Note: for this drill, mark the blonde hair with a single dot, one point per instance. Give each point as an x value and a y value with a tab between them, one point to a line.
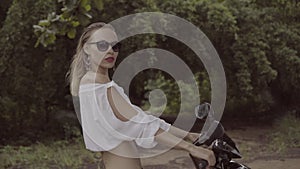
78	65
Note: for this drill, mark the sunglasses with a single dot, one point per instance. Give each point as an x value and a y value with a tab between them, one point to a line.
103	45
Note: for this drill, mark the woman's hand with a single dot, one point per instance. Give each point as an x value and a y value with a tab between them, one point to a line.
203	153
192	136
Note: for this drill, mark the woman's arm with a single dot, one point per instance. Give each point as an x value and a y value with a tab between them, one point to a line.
172	141
124	111
189	136
119	105
129	112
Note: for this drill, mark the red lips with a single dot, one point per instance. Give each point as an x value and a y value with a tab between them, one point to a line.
110	59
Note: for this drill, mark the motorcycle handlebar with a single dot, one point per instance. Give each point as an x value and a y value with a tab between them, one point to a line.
199	163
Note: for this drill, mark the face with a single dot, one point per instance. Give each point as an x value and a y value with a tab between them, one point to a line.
102	49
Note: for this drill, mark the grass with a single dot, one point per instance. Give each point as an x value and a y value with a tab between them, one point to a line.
286	134
279	139
57	155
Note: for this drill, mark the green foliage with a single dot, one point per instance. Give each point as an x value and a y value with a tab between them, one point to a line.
171	90
14	66
58	154
74	13
3	9
33	78
260	51
71	131
287	133
258	43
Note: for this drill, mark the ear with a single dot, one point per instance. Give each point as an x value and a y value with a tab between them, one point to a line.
86	49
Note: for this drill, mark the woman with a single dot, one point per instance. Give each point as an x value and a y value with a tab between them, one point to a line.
110	123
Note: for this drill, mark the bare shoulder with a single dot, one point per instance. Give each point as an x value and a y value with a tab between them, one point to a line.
86	79
92	78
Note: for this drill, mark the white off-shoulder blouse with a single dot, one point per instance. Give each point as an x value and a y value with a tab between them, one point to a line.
103	131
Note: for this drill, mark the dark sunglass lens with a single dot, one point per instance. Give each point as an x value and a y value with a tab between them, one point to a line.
102	46
116	47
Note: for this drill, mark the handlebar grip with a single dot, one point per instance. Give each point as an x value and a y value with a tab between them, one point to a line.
199	163
202	164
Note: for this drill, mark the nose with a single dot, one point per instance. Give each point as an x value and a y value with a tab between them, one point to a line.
110	50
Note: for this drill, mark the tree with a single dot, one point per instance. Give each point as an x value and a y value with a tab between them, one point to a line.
32	78
258	43
3	9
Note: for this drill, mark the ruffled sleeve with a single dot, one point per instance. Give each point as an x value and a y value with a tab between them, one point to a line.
104	131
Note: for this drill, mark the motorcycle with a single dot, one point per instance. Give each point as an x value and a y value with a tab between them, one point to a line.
214	136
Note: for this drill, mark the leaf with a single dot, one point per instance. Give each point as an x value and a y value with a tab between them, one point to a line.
99	4
84	3
65	15
87	7
50	39
72	33
55	18
44	22
88	15
37	43
71	4
64	9
75	23
83	19
37	28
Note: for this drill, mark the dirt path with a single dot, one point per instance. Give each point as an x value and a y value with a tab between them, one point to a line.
276	164
252	142
176	159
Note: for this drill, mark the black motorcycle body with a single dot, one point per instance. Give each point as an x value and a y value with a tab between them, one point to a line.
221	144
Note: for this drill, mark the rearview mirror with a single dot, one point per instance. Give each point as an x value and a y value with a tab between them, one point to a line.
202	110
